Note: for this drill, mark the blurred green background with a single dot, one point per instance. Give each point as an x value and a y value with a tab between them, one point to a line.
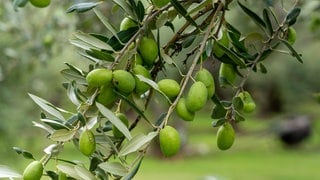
34	47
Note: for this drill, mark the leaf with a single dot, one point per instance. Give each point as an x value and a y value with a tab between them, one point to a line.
101	55
69	170
153	84
55	124
84	173
82	7
114	120
237	103
136	143
105	22
267	19
125	6
253	16
218	122
43	126
238	117
71	92
188	41
291	18
95	42
114	168
294	52
126	35
162	19
6	172
62	135
134	171
48	107
133	105
218	112
262	68
235	59
24	153
140	11
19	3
73	76
181	10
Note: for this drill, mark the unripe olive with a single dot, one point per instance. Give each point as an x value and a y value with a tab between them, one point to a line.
160	3
169	140
127	23
197	96
123	81
116	132
138	59
219	52
205	76
87	142
106	96
248	103
225	136
33	171
141	87
149	50
169	87
292	35
40	3
183	112
227	74
99	77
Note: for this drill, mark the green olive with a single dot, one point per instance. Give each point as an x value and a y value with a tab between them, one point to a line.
33	171
197	96
248	103
107	96
149	50
227	75
183	112
169	87
141	87
169	140
124	81
225	136
40	3
87	142
127	23
205	76
99	77
160	3
292	35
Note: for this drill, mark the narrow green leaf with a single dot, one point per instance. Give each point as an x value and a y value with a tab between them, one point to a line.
105	22
95	42
181	10
114	120
292	16
6	172
82	7
236	60
262	68
69	170
293	51
239	117
24	153
134	171
136	143
125	6
114	168
48	107
237	103
133	105
62	135
84	173
188	41
140	11
253	16
55	124
101	55
162	19
267	19
71	93
73	76
19	3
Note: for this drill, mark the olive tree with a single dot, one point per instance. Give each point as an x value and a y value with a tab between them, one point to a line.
128	72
